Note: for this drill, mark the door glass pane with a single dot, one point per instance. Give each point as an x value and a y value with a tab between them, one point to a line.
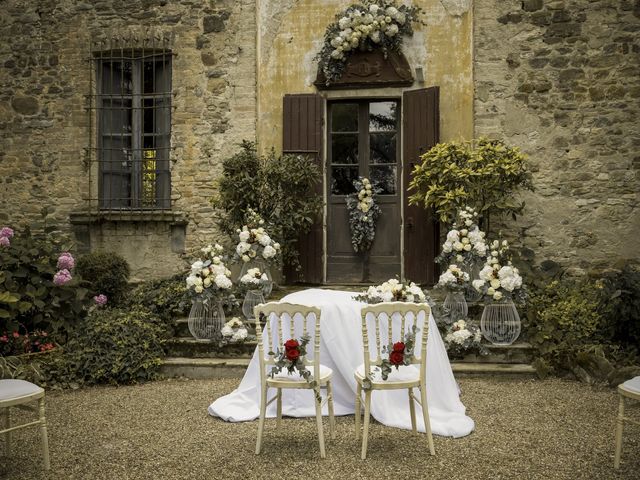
148	117
116	116
383	116
344	117
116	77
384	177
342	179
382	147
344	148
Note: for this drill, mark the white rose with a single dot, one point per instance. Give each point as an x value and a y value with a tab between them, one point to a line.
198	288
239	335
207	282
465	241
459	258
486	273
227	331
197	282
219	248
191	280
387	296
205	272
197	266
375	36
505	243
447	247
457	246
265	240
495	283
453	236
464	232
245	258
490	291
478	284
497	296
269	252
467	247
468	223
244	236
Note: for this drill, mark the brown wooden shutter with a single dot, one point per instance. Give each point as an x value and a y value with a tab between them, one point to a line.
303	117
421	131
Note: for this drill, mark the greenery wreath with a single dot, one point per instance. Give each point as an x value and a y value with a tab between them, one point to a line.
363	214
365	26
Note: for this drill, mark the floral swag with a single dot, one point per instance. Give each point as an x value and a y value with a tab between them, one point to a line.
363	215
365	26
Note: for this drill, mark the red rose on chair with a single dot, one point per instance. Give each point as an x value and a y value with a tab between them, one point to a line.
293	354
398	347
396	357
291	344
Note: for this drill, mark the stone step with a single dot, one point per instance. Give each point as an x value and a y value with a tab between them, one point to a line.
204	368
519	369
189	347
516	353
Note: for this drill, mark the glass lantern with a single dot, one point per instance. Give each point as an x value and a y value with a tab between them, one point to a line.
500	322
206	319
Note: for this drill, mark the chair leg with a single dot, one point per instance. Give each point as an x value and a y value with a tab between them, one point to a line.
425	415
279	402
619	425
43	434
263	414
412	409
357	412
332	418
320	431
7	435
365	433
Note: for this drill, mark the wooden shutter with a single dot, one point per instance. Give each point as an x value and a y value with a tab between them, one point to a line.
302	134
421	131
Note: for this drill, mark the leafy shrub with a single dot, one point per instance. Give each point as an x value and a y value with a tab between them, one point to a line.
621	307
485	176
105	273
29	298
279	188
112	346
167	299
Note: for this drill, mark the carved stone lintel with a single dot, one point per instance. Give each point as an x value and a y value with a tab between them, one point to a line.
370	70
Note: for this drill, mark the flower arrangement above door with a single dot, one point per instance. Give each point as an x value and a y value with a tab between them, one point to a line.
363	47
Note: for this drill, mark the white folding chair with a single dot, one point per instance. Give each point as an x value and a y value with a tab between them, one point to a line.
18	393
629	389
284	321
376	320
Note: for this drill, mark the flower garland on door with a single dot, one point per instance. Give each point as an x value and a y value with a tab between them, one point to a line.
363	215
365	26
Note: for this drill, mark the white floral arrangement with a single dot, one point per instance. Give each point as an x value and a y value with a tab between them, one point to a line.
210	276
255	243
392	291
234	331
254	278
454	279
363	214
365	26
465	243
499	279
463	337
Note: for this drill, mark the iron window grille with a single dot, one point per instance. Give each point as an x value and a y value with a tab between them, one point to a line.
131	106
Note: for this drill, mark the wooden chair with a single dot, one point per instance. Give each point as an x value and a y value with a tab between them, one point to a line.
291	321
408	377
17	393
629	389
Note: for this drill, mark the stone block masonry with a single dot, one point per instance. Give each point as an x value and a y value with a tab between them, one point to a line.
561	79
45	127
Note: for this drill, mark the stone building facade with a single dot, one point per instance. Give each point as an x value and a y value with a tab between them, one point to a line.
560	79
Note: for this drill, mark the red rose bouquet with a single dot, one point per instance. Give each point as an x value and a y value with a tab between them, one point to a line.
400	353
291	358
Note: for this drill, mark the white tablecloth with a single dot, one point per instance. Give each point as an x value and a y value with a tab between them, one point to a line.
341	350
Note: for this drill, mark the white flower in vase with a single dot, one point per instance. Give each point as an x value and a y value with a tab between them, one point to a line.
227	331
269	252
244	236
197	266
222	281
265	240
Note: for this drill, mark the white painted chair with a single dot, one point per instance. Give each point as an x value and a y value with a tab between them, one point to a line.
284	321
377	319
629	389
18	393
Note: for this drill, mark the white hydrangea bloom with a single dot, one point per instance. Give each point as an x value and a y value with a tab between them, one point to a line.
453	236
486	273
196	266
269	252
227	331
478	284
223	282
244	235
265	240
239	335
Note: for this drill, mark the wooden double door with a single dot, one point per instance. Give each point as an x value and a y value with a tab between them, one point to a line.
380	139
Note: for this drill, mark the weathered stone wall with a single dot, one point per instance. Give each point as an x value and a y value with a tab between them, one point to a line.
561	79
44	124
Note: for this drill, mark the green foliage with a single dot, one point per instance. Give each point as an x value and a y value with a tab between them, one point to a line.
167	299
112	346
485	176
621	306
279	188
28	296
105	273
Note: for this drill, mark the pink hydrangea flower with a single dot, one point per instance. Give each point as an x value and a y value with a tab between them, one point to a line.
4	241
6	232
100	299
62	277
66	261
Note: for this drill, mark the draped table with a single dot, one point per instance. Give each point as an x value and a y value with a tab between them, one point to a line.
341	350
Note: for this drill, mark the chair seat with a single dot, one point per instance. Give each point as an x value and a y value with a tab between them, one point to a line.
284	375
404	374
13	389
632	385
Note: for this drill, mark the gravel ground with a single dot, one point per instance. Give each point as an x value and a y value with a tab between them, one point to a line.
525	429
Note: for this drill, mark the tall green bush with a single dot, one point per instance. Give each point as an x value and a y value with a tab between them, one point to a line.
486	175
279	188
621	306
29	299
105	273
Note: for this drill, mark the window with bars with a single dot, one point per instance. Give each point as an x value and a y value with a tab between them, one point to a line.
133	126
